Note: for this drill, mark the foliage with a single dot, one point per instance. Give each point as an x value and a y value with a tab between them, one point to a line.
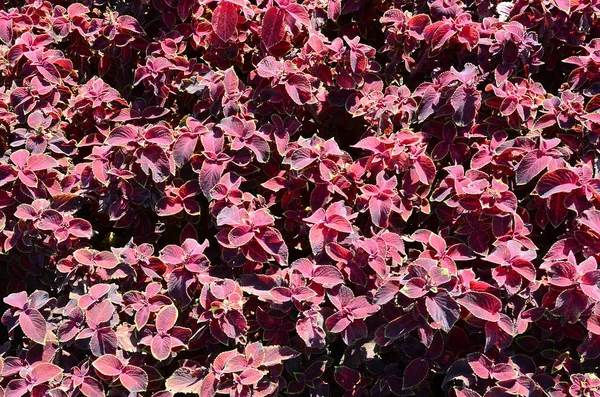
299	197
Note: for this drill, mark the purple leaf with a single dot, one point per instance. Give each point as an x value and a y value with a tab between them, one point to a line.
416	371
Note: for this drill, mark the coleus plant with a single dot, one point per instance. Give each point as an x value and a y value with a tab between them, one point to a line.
223	197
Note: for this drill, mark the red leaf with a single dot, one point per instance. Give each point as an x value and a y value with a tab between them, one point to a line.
561	180
273	27
400	326
482	305
224	20
168	206
555	209
346	377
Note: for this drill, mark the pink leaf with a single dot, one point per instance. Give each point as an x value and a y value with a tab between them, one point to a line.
122	136
39	162
166	318
380	209
563	5
134	379
466	102
590	284
241	235
161	347
298	88
106	260
311	332
43	372
16	388
153	158
443	310
530	166
159	135
80	228
337	322
339	223
250	376
278	354
361	308
172	254
108	365
16	299
92	387
33	325
328	276
299	13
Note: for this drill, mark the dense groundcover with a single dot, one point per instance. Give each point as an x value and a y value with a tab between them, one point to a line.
344	198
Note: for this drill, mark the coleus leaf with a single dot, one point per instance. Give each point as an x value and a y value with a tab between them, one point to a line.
530	166
273	27
561	180
482	305
416	371
443	310
224	20
34	325
134	378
